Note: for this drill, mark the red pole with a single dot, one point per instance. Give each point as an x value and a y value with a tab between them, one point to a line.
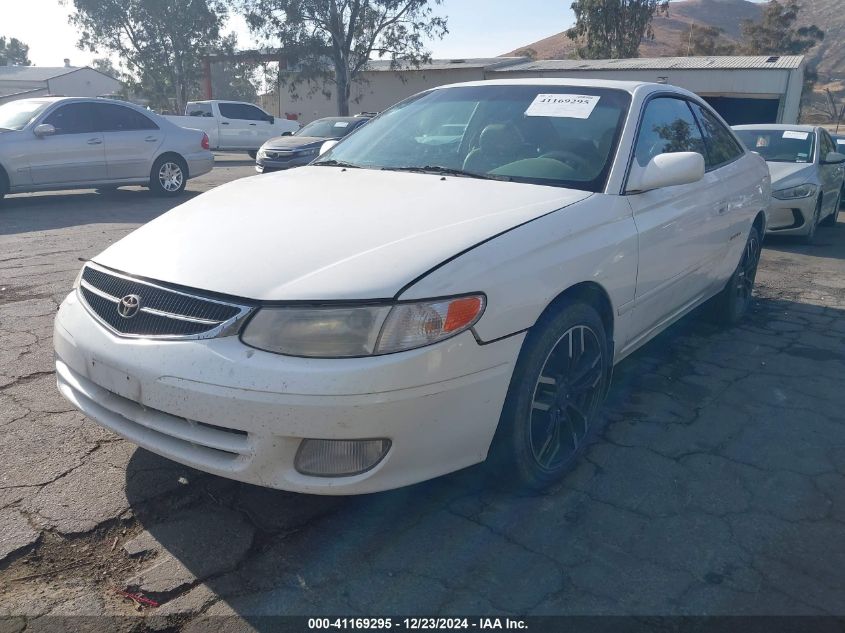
206	69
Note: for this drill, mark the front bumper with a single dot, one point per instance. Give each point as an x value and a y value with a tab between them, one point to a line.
790	217
224	408
266	165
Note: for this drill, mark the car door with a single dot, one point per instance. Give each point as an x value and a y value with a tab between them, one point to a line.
677	241
131	141
831	174
239	128
74	153
729	175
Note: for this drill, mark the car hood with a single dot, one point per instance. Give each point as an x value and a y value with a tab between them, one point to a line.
326	232
293	142
790	174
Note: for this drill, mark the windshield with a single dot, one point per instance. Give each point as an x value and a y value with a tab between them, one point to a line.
780	146
327	128
16	114
551	135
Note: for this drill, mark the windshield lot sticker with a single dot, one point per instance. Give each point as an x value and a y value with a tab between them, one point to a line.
567	106
801	136
341	123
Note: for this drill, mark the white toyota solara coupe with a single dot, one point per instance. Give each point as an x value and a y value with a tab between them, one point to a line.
454	280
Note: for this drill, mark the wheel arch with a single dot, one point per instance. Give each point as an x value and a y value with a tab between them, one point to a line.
175	155
760	224
591	293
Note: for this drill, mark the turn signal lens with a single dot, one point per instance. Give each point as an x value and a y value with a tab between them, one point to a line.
339	458
411	325
204	141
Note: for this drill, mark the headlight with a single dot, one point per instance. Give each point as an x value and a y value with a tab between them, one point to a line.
262	153
342	332
793	193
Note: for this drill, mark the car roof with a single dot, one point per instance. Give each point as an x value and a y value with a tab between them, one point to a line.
627	86
777	126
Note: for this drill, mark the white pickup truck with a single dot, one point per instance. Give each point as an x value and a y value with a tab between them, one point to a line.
234	126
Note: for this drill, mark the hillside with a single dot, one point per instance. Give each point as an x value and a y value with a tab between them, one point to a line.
671	31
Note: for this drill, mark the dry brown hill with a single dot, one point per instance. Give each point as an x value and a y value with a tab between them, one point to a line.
670	31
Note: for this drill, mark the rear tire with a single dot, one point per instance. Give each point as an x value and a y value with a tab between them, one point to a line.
831	219
555	394
168	176
733	302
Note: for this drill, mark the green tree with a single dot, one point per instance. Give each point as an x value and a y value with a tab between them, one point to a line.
613	29
160	41
706	40
776	33
329	42
13	52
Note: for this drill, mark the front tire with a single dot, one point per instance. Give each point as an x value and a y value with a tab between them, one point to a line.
810	237
732	304
168	176
556	391
831	219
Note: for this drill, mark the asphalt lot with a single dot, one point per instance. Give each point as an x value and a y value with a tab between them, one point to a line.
717	486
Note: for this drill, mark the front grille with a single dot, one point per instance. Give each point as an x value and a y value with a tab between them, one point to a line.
162	312
279	155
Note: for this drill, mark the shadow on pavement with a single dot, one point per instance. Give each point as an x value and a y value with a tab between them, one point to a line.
829	242
690	501
25	213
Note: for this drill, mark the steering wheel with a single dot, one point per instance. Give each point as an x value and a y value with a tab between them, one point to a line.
569	158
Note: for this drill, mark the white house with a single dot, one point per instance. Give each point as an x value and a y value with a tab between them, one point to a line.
21	82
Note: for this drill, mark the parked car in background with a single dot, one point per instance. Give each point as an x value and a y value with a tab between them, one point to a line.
402	308
284	152
839	139
50	143
807	175
234	126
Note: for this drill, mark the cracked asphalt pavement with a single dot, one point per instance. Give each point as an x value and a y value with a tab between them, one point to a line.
716	487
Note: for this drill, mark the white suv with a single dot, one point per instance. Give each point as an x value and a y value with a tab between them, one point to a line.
54	143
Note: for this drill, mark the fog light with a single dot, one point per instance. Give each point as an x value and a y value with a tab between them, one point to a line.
339	458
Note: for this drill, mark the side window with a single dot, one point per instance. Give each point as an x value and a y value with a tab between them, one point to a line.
73	118
230	110
722	147
116	118
253	113
667	126
827	145
242	111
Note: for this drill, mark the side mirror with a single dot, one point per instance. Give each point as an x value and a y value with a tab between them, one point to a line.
287	133
44	129
325	147
271	119
834	158
667	170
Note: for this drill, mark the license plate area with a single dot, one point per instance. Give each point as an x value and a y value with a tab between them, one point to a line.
114	379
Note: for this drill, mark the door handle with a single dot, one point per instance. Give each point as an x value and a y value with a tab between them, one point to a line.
151	139
224	123
253	124
94	141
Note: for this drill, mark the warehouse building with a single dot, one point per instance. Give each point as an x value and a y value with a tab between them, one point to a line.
764	89
22	82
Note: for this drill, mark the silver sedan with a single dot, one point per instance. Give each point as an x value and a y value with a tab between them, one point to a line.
807	175
53	143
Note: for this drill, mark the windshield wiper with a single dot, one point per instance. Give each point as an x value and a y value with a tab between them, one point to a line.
447	171
331	162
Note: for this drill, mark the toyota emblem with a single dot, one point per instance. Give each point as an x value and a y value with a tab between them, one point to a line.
129	306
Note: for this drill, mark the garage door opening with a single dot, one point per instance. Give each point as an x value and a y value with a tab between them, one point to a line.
737	111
